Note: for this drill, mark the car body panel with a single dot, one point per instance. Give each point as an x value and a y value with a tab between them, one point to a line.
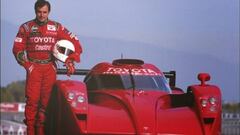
79	108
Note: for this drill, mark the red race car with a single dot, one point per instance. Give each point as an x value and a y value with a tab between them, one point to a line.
131	97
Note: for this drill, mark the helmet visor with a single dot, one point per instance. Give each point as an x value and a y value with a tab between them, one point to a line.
68	52
61	49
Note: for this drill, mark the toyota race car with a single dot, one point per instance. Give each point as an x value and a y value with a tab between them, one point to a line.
129	97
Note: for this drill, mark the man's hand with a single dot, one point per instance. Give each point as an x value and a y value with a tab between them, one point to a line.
70	67
26	64
75	57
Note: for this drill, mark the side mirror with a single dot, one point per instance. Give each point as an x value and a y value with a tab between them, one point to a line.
203	77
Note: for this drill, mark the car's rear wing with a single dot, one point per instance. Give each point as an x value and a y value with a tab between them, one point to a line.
171	75
77	71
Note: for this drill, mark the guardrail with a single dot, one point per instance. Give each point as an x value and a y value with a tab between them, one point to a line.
231	124
12	128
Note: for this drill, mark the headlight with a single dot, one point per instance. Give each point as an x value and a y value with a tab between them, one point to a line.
213	108
80	99
204	102
71	95
213	100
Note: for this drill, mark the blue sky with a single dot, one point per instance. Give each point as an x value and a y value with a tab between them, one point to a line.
165	22
206	27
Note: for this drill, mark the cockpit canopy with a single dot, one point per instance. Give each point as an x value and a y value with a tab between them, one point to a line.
126	75
126	82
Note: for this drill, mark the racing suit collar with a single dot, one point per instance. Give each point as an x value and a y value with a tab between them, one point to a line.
40	23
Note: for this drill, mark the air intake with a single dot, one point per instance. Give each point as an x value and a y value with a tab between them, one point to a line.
128	61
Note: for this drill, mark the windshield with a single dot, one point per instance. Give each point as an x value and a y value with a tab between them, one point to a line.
138	82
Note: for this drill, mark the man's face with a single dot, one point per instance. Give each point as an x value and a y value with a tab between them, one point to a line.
42	13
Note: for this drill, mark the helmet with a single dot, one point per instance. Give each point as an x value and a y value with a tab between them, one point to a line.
62	49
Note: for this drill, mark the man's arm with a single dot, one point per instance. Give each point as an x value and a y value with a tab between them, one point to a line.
63	33
19	47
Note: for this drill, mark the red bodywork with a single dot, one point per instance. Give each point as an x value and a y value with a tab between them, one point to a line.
84	108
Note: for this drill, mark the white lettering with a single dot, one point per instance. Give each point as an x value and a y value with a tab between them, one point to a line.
43	47
134	71
150	71
18	39
51	28
42	39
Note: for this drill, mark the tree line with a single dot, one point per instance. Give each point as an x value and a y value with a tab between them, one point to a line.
14	92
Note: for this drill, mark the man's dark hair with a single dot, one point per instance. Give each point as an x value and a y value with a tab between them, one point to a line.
41	3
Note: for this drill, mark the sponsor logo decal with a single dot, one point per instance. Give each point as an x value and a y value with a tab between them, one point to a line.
134	71
26	27
43	47
18	39
42	40
35	34
51	27
72	35
34	29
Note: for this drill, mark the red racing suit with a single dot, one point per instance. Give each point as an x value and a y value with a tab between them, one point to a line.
33	50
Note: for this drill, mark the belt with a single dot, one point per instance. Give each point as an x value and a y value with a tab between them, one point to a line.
46	61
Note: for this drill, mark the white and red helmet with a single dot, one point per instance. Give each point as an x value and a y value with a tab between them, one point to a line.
62	49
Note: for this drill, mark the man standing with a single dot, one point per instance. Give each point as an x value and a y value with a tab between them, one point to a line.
33	50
